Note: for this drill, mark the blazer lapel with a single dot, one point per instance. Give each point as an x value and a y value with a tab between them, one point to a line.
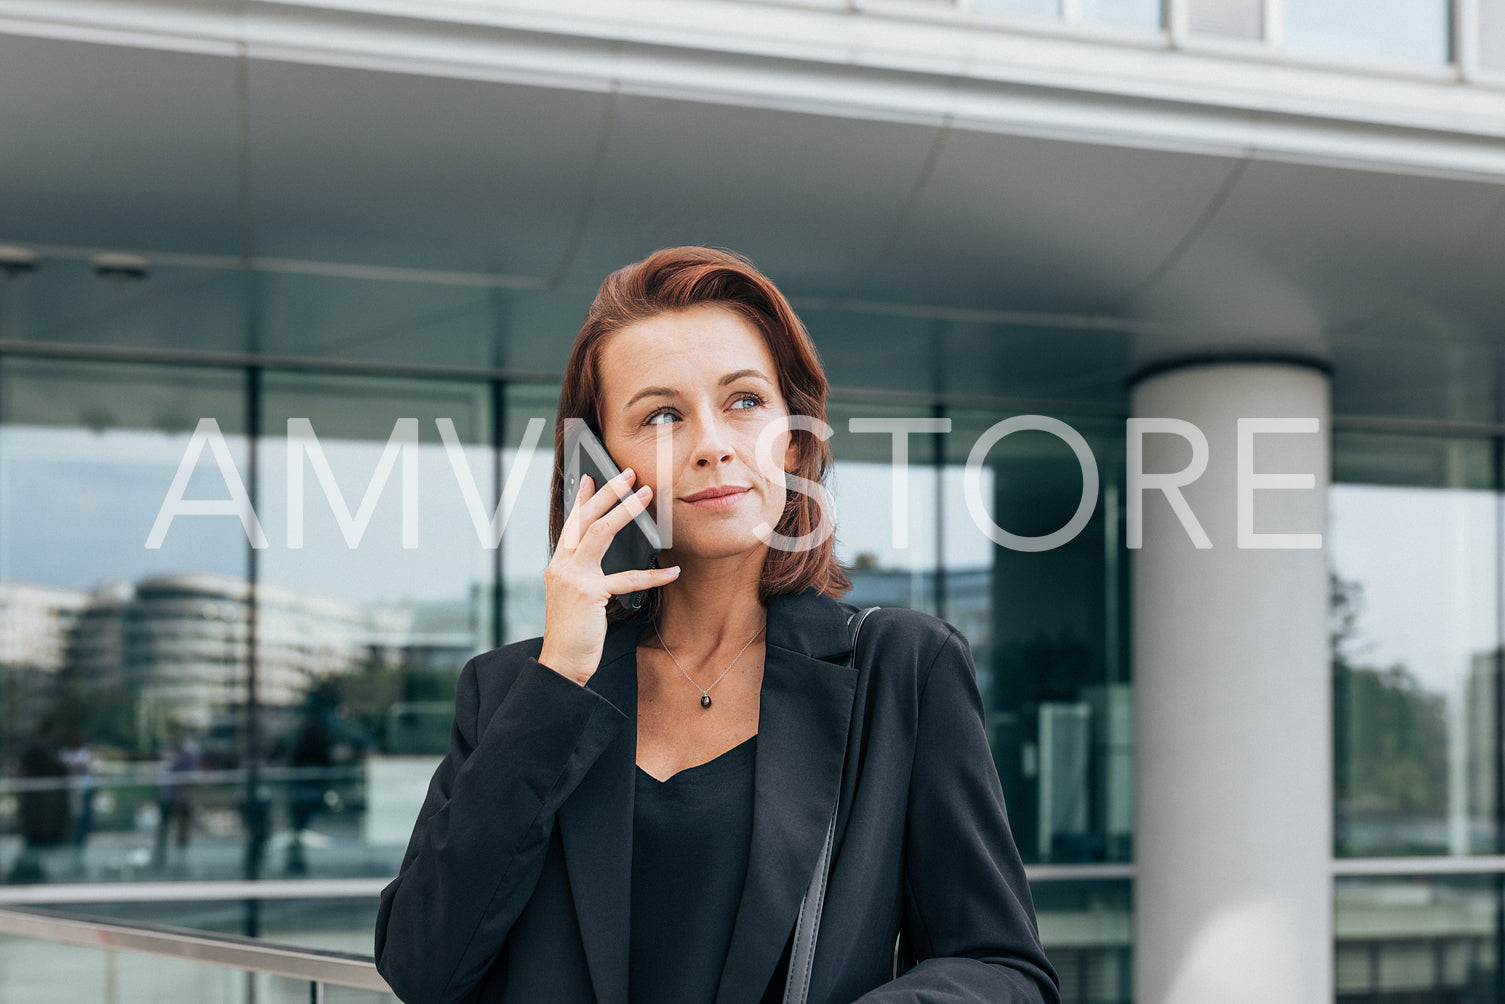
804	715
595	823
803	720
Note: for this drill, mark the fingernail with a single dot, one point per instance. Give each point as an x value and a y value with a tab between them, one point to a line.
672	569
642	492
627	472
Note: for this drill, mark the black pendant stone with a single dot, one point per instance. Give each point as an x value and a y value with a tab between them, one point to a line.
705	700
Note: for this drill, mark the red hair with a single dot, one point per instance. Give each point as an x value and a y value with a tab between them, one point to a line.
675	279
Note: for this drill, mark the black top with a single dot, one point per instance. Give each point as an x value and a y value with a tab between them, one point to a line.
690	841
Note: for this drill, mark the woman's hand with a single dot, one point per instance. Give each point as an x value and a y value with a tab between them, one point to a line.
576	590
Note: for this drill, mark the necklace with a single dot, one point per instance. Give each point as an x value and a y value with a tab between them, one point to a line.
705	692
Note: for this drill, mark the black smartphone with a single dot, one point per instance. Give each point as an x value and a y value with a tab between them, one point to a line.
637	543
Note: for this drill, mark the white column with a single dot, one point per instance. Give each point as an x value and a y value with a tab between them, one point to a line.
1233	702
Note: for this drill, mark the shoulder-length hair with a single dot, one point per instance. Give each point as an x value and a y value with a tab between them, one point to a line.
675	279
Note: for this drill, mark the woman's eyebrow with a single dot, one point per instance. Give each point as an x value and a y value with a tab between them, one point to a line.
670	391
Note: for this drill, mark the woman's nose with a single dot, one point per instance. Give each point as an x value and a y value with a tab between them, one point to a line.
714	444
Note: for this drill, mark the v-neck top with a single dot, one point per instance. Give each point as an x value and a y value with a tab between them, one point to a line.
691	836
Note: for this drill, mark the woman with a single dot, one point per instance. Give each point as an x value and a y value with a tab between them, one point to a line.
634	803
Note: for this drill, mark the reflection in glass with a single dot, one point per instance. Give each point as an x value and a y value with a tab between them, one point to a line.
1413	549
1087	928
1397	29
363	627
889	564
525	544
1417	938
1053	661
121	666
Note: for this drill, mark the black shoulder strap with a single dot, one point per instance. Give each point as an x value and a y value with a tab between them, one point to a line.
859	616
807	925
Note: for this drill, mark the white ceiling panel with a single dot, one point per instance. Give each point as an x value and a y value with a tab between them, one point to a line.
103	146
1309	248
807	197
397	170
1016	223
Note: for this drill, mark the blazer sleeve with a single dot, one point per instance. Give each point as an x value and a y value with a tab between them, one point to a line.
968	915
478	847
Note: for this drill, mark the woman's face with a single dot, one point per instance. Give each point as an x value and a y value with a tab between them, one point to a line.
704	377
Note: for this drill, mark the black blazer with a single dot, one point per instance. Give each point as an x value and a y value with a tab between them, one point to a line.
514	887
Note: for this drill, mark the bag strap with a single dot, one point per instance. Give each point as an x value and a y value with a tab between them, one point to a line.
807	924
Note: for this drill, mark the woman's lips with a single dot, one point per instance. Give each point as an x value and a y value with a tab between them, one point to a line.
718	501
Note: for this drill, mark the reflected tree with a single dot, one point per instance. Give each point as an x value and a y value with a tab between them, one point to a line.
1390	743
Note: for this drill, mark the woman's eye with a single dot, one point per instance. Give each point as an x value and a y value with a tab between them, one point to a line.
653	419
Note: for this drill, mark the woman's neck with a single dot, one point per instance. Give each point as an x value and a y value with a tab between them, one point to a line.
711	606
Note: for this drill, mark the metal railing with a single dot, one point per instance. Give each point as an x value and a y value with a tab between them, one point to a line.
319	968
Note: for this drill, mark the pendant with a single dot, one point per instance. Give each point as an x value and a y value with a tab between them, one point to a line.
705	700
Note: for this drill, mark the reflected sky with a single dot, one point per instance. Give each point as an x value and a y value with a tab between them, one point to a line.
1426	559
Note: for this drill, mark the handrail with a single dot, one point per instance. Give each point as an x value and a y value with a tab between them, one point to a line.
61	894
342	969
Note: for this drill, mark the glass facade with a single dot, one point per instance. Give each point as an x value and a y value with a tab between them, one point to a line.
123	669
1492	35
145	743
1418	30
1134	13
1401	30
142	741
1415	557
1227	18
1418	937
1039	8
1416	562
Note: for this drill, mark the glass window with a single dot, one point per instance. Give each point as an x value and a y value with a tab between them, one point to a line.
1138	13
365	623
890	565
1052	645
1417	937
1400	29
1087	928
1492	35
122	666
1042	8
525	544
1413	544
1229	18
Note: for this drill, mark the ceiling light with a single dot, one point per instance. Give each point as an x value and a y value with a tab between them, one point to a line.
15	260
113	265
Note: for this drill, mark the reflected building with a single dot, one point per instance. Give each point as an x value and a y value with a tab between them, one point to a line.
175	646
37	624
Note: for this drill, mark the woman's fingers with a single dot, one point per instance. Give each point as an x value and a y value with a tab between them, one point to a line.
600	533
635	579
590	503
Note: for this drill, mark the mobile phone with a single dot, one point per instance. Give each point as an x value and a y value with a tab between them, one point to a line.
637	543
